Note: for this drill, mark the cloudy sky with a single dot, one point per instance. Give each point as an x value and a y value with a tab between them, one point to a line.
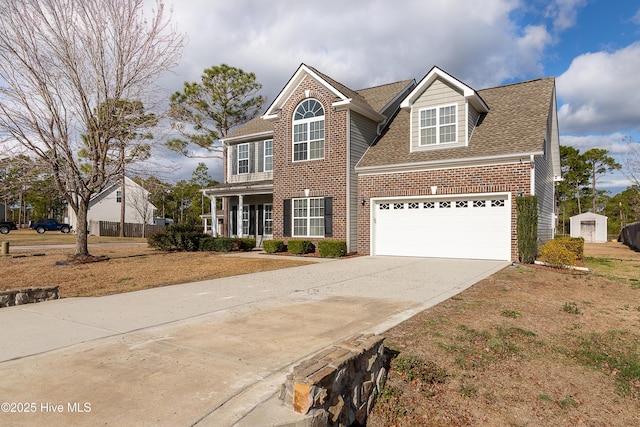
592	47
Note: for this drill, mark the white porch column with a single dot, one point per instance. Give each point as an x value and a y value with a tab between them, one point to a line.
214	216
240	209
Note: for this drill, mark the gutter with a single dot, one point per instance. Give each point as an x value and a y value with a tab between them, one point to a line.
437	164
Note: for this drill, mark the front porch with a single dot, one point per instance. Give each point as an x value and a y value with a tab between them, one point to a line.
247	211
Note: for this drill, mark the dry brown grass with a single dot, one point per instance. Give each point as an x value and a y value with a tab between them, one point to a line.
526	347
129	268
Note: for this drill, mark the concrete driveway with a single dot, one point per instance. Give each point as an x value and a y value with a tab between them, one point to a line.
207	353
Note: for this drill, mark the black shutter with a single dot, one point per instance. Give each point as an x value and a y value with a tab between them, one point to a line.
286	218
328	216
252	220
234	220
260	220
261	156
234	160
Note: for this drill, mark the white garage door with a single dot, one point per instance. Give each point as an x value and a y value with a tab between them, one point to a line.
474	227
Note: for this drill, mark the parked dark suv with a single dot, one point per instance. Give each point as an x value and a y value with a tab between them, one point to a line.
43	225
7	226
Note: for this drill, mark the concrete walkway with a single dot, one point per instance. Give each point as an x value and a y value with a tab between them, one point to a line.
210	353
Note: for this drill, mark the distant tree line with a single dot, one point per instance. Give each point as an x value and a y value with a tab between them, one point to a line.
28	192
578	192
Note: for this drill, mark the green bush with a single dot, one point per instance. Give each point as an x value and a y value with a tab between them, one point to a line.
224	244
332	248
207	244
176	240
556	253
273	246
246	243
161	241
527	228
299	247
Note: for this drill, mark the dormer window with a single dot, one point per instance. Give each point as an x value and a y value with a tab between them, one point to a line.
438	125
308	131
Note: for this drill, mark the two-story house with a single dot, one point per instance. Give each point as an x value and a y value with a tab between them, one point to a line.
429	168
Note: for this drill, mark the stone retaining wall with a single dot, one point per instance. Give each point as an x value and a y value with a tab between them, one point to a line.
27	296
338	386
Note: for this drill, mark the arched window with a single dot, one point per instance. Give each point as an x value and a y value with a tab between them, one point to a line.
308	131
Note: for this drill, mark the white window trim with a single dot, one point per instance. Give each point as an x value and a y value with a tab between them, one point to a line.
307	218
308	122
438	125
245	220
265	219
268	156
248	159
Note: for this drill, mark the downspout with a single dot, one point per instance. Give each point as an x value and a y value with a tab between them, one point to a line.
348	195
532	184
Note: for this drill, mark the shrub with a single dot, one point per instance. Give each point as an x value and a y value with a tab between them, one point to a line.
246	243
179	237
273	246
527	224
224	244
332	248
162	241
299	247
207	244
574	244
556	253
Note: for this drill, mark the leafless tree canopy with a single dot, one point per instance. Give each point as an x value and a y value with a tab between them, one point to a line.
66	66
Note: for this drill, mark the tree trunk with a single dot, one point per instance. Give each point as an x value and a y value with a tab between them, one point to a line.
82	246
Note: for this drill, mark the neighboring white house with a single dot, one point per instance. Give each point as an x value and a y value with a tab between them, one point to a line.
106	205
590	226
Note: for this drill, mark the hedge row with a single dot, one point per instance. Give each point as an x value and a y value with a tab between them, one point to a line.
185	238
191	238
326	248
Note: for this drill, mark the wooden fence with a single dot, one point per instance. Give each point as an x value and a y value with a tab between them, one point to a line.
107	228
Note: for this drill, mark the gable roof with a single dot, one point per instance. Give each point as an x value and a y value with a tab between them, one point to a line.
435	73
378	98
344	97
515	125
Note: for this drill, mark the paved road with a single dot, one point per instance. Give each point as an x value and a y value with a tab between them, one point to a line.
207	353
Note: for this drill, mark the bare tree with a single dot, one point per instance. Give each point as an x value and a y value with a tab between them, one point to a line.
65	68
631	165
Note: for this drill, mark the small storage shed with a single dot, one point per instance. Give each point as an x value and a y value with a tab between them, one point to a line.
590	226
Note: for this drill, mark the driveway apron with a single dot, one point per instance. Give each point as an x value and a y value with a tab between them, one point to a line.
205	353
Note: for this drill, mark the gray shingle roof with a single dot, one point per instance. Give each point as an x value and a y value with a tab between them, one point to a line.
515	124
253	126
375	98
378	97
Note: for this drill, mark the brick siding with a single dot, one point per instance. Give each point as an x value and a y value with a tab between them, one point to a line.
323	178
511	178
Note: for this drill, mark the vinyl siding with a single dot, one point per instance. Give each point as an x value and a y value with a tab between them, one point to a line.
544	186
254	166
438	94
473	117
362	133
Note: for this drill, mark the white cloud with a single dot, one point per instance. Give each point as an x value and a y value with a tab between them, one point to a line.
636	18
614	143
564	13
360	43
599	92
